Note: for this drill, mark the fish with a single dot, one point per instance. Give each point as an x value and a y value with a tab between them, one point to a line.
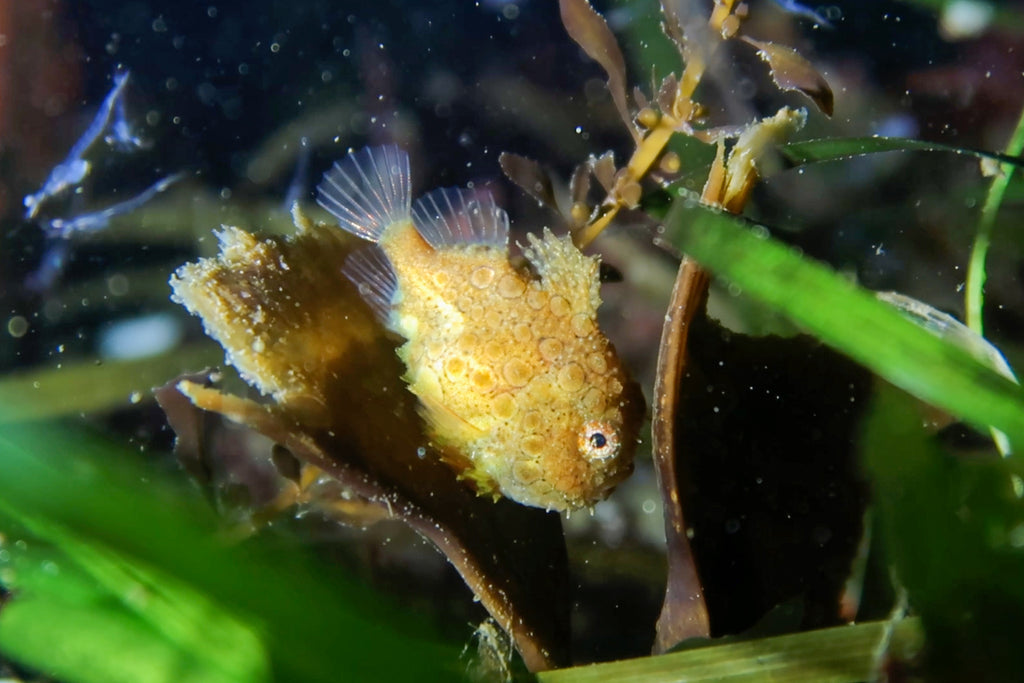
520	391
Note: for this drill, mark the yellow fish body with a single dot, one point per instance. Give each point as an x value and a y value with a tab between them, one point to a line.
520	390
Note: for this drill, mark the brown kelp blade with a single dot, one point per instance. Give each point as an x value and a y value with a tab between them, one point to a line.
297	329
591	32
791	71
684	613
531	177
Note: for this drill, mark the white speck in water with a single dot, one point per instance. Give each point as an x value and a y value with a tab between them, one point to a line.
135	398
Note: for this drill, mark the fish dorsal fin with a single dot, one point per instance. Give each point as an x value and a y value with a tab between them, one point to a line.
368	191
460	216
371	272
565	270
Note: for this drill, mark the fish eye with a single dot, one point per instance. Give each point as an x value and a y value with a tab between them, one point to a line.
598	440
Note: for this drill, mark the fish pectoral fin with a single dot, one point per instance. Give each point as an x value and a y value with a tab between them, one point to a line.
373	275
445	423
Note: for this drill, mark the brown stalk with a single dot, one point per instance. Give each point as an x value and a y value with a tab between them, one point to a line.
684	613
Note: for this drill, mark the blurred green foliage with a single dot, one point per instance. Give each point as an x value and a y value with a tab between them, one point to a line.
954	531
117	575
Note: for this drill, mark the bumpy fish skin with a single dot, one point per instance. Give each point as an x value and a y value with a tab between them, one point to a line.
520	390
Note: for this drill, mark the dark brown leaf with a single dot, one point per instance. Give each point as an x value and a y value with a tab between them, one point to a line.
639	98
791	71
579	184
604	169
341	406
683	614
667	93
673	26
531	177
225	472
190	430
591	32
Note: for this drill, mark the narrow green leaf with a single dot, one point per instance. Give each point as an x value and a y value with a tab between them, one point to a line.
974	294
838	655
832	149
90	386
849	318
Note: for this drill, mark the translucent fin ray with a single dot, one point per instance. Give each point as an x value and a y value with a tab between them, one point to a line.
460	216
368	191
371	272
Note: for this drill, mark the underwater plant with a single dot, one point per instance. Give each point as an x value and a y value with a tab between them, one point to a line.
491	412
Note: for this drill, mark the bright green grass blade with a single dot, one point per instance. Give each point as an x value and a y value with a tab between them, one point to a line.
90	386
833	149
848	318
845	654
112	517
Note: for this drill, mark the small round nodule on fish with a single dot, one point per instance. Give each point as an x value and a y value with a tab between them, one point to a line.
521	392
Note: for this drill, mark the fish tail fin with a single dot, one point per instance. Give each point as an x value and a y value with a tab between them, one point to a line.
368	191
